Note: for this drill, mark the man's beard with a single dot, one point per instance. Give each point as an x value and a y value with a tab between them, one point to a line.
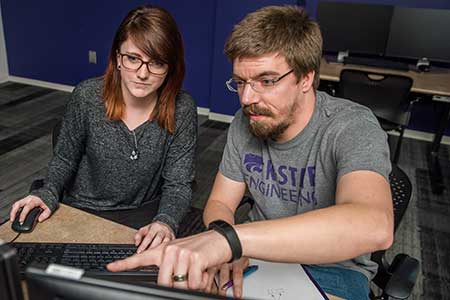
266	130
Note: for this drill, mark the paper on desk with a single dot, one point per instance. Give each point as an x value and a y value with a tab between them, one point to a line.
279	281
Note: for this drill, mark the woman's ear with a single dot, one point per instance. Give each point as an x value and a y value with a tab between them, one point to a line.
118	59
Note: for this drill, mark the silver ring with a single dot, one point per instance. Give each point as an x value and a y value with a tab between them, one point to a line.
179	277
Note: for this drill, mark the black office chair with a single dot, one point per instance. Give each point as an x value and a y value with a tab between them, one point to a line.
386	95
38	183
396	279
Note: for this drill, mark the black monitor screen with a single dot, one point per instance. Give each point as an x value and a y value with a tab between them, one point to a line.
419	32
359	28
44	286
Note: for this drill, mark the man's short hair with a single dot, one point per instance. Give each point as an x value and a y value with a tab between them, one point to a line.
287	30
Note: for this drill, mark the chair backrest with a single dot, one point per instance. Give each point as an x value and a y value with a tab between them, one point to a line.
38	183
401	189
55	133
385	95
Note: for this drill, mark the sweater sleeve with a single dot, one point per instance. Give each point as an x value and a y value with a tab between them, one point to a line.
178	169
66	154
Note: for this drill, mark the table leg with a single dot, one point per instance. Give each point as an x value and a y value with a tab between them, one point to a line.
436	180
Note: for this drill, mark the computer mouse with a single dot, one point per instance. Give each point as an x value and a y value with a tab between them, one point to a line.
29	223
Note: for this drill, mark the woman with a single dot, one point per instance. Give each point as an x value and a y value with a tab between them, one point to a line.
128	139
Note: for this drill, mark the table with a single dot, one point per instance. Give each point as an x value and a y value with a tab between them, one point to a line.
435	83
71	225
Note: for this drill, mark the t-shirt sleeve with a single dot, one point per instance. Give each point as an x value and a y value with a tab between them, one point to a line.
362	145
230	165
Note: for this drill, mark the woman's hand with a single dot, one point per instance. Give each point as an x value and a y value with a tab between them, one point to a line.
153	235
28	203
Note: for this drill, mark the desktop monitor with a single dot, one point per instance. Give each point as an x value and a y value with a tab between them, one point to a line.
418	32
10	288
43	285
358	28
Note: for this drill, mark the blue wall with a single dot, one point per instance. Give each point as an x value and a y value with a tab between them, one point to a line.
49	40
229	13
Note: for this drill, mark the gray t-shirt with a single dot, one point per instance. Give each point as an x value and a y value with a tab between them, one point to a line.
92	166
301	175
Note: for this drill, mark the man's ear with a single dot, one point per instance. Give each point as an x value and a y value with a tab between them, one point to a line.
307	81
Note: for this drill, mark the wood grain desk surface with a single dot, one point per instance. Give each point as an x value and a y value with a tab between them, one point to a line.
435	82
71	225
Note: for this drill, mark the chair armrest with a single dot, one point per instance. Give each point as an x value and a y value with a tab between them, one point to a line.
244	207
404	270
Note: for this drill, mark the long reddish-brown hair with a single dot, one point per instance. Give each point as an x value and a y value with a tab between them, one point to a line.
155	33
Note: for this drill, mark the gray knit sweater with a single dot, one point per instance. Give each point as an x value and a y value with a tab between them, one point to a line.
92	166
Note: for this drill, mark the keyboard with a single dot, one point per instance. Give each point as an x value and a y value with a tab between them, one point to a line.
92	258
377	63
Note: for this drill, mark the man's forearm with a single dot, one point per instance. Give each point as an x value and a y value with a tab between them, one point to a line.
333	234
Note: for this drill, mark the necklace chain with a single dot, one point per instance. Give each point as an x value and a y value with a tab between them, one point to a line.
134	154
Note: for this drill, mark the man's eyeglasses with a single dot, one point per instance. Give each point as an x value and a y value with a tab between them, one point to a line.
258	85
134	63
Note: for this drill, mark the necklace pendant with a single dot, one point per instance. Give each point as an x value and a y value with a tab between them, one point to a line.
134	155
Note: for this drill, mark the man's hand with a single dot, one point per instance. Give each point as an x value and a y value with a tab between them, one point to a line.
190	257
153	235
211	284
236	269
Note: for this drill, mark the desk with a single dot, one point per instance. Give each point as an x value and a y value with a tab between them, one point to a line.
71	225
436	82
433	83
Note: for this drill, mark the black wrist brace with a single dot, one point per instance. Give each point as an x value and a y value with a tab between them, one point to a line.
231	236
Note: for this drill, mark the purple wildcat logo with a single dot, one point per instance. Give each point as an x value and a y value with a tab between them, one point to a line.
253	163
286	183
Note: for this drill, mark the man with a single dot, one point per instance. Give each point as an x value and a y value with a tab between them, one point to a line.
316	166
